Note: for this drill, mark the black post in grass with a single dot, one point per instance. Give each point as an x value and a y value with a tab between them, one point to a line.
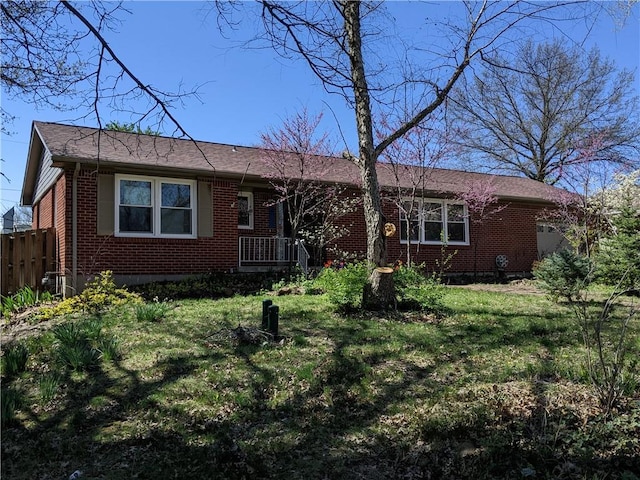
274	312
265	313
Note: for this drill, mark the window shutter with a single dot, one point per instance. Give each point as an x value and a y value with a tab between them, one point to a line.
205	210
106	204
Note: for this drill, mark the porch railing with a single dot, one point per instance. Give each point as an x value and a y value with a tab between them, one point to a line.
272	251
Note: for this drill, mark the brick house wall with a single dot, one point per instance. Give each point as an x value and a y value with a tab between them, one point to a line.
127	256
512	232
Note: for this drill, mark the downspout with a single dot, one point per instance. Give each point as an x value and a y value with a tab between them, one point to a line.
74	228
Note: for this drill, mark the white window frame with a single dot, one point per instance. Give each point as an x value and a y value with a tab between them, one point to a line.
156	206
249	195
444	221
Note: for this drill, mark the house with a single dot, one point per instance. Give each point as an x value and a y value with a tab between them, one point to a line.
16	219
157	208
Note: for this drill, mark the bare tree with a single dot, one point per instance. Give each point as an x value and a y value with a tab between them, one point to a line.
536	114
40	58
338	41
410	160
58	55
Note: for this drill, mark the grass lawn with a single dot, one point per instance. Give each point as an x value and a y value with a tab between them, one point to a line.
495	388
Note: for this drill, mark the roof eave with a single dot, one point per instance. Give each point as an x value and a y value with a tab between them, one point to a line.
34	157
63	161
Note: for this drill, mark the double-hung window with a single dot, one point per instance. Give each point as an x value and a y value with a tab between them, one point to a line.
155	207
432	221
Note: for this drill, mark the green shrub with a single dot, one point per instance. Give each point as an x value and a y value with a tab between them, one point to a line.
618	256
563	274
14	360
99	295
344	285
415	290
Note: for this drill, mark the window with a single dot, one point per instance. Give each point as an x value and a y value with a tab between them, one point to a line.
432	220
155	207
245	210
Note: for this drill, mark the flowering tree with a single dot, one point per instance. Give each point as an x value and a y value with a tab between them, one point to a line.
581	210
482	204
297	157
328	226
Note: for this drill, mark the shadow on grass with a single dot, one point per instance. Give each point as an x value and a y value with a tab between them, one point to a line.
374	405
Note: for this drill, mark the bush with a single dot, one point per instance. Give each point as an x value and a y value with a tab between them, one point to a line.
618	256
99	295
344	285
563	274
417	291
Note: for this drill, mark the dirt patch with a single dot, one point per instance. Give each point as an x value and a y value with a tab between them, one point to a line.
20	326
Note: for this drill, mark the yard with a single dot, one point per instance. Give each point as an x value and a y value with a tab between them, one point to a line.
494	388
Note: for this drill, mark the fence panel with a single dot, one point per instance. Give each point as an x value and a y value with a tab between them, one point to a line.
26	257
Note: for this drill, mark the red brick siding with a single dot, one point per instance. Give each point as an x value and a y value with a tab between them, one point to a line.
157	256
261	201
512	232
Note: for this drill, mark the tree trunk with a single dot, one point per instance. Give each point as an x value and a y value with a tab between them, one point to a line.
379	293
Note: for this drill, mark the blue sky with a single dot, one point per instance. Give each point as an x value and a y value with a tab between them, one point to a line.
245	91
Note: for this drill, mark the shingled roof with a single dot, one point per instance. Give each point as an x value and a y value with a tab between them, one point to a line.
75	144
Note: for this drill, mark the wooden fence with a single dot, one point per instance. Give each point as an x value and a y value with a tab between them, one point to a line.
26	257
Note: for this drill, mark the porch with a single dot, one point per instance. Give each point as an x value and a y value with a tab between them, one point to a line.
267	253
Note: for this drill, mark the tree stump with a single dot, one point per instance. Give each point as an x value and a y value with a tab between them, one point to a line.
379	293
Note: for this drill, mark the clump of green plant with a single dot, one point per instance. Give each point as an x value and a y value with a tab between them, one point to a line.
344	284
563	274
152	311
10	401
81	345
415	290
23	298
14	359
48	386
99	295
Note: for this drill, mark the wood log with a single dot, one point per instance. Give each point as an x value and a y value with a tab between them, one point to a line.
379	293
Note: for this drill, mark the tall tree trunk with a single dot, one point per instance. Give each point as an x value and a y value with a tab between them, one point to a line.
376	251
